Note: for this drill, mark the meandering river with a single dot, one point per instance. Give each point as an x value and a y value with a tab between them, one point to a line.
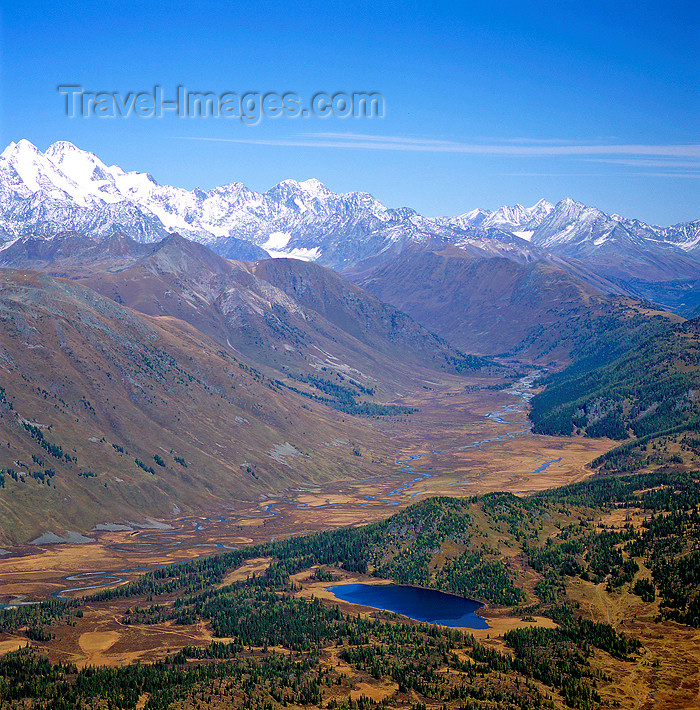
161	540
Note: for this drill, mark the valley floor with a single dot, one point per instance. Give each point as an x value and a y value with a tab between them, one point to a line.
461	442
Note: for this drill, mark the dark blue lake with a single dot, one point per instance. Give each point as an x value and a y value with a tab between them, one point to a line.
420	604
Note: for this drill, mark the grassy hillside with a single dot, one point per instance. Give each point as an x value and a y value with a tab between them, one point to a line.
282	314
108	414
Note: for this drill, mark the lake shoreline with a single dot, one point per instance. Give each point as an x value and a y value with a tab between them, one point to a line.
412	601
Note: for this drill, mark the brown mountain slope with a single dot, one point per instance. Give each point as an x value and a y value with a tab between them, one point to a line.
293	316
380	326
536	311
89	386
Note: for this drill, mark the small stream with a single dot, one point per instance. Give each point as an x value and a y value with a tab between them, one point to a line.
161	540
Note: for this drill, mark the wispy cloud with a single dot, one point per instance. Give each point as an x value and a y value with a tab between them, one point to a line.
477	141
374	138
646	162
545	141
691	175
544	149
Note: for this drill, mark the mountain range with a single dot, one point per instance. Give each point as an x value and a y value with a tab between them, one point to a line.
165	350
67	189
536	311
141	379
284	313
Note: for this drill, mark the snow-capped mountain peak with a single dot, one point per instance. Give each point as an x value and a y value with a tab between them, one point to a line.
62	148
26	171
522	221
13	150
67	188
315	188
132	183
540	209
86	170
312	186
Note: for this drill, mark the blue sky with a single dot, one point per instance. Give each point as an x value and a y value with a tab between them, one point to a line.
485	103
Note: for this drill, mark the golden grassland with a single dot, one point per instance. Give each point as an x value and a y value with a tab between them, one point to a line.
666	673
450	418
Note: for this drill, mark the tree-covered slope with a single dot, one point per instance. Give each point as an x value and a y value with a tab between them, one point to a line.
653	388
558	538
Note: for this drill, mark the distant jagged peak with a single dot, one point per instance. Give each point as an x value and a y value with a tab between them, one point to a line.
62	148
542	206
517	214
69	188
515	217
63	172
117	172
60	153
571	206
314	187
475	214
311	187
79	165
22	146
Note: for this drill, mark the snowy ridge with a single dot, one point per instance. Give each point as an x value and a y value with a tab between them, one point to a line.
66	188
516	217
